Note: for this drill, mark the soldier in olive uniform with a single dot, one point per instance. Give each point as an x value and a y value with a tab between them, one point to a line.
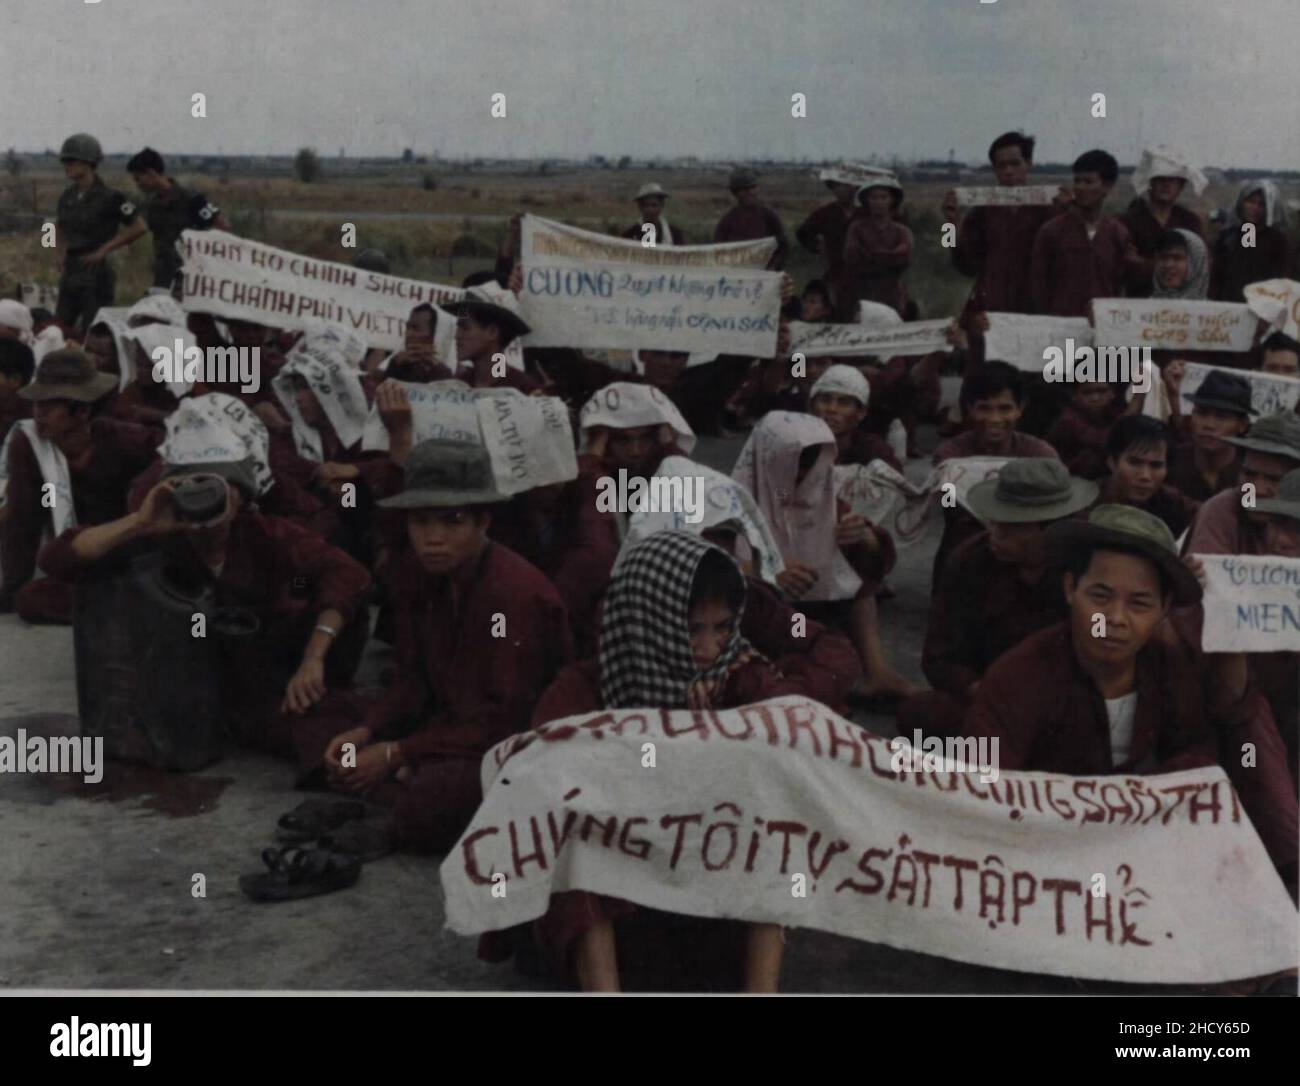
170	208
87	230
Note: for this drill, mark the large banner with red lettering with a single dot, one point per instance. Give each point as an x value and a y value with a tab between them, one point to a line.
243	279
783	812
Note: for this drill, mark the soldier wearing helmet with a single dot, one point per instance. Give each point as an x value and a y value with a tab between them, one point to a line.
87	230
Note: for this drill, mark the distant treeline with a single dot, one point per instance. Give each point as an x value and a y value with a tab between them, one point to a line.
283	165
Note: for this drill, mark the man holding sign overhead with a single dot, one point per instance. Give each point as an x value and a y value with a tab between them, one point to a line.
995	244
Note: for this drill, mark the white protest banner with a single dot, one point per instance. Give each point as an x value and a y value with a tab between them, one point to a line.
529	439
885	497
1269	392
1021	339
446	410
242	279
1252	604
1172	324
1006	195
588	290
911	338
783	812
1277	303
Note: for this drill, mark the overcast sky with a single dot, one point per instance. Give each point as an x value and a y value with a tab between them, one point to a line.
712	78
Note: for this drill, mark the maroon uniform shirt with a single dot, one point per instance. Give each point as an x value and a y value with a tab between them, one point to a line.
1144	230
459	690
1080	439
829	226
981	609
1048	715
996	245
1069	270
751	223
121	451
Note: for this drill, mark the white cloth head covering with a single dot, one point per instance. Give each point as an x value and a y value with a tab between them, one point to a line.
335	385
623	405
845	380
1277	302
339	336
803	516
1162	161
1198	272
877	315
1274	208
162	308
151	337
725	504
216	428
14	314
47	340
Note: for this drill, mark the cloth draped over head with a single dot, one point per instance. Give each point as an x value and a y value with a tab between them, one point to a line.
624	405
14	314
1277	303
338	336
1197	283
877	315
645	646
337	388
162	308
1274	208
150	337
218	429
844	380
724	503
803	515
1162	161
54	472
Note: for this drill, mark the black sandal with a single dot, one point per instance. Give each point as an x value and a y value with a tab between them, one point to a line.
314	817
299	872
364	840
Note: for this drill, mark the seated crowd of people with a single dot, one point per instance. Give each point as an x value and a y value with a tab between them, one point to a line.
330	545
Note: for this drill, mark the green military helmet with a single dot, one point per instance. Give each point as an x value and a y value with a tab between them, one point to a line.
83	147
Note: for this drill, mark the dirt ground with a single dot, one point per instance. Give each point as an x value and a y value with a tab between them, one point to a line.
95	880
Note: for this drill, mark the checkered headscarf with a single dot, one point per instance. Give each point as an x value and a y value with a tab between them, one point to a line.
645	646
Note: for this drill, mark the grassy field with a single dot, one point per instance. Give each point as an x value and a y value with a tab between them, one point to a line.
445	232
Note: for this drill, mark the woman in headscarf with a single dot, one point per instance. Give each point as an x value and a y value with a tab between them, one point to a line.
670	639
821	661
877	251
1182	266
1236	265
834	559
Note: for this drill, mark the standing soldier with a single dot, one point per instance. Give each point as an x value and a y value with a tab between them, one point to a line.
87	221
170	208
751	219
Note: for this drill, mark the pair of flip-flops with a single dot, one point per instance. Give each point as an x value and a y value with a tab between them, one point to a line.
336	824
343	843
